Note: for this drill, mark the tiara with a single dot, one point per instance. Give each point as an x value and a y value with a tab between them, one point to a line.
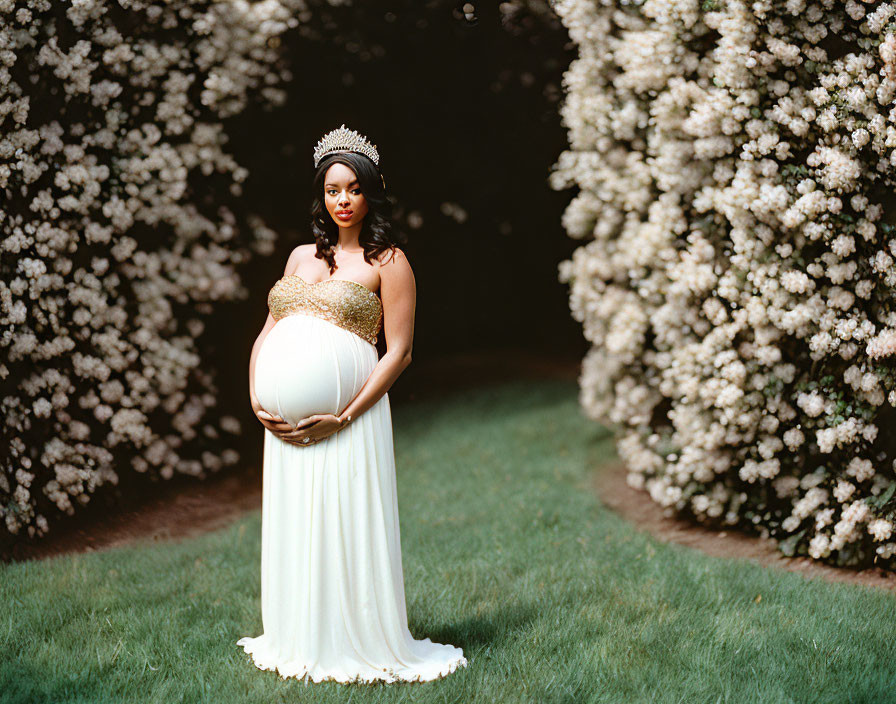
345	140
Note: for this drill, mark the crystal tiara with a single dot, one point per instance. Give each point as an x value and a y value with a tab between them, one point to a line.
345	140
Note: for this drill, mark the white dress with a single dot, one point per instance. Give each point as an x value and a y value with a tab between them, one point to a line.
332	587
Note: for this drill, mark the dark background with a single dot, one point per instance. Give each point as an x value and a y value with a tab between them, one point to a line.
464	111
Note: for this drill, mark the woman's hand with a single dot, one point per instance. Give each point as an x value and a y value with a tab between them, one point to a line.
273	423
315	428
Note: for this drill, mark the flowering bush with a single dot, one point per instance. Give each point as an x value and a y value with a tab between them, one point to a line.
117	238
735	163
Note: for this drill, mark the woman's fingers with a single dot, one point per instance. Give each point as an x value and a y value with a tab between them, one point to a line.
294	434
276	427
310	420
270	421
299	435
298	441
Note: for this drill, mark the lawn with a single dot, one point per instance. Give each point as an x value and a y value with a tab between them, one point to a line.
506	554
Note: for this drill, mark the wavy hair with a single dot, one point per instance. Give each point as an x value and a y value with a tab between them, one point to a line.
377	234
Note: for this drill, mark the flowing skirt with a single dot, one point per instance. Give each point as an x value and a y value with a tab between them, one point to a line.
332	587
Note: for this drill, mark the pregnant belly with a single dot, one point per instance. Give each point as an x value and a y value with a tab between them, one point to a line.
307	365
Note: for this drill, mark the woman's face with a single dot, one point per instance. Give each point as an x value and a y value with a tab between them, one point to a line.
342	194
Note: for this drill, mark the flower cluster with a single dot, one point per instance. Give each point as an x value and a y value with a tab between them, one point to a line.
737	279
116	238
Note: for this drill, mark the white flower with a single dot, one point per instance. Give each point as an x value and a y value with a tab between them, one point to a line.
94	340
820	546
721	289
881	529
861	469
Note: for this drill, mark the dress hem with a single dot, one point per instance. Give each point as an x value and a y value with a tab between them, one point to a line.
389	675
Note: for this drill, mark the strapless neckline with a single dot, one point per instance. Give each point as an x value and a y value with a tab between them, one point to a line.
326	281
343	302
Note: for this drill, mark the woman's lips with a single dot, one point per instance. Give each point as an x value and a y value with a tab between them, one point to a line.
345	215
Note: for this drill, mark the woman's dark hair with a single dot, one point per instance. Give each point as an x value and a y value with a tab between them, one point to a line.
376	231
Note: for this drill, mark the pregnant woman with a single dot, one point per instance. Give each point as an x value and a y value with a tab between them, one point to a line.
332	588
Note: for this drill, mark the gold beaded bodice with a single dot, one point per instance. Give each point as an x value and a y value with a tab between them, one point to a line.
345	303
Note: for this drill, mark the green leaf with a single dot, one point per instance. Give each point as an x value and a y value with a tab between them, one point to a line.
788	545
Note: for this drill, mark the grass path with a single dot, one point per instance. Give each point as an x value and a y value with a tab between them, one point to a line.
506	553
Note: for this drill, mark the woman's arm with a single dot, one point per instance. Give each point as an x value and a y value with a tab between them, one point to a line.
398	291
291	265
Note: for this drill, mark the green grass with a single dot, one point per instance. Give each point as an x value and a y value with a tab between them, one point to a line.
506	553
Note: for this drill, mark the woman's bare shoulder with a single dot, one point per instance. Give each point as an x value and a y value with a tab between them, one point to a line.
301	253
395	270
393	256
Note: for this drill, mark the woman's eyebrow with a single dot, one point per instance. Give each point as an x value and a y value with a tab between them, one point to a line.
336	184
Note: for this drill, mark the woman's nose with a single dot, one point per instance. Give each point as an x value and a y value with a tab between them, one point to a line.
343	198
